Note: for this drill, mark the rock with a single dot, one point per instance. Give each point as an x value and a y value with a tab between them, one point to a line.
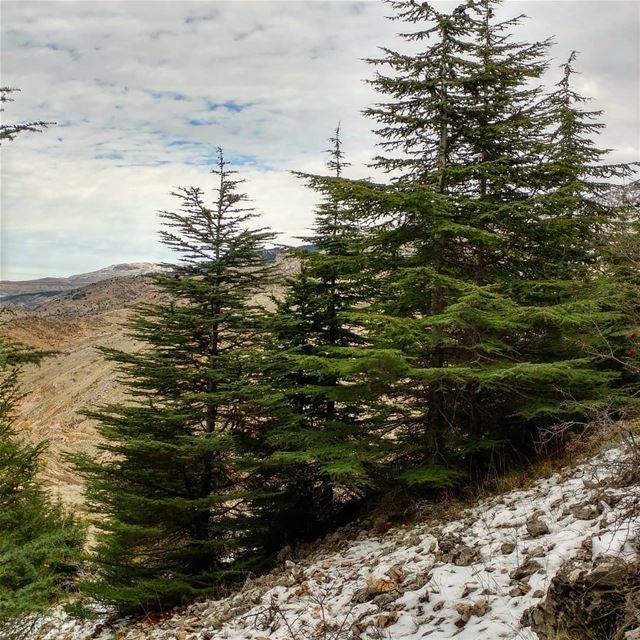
536	552
526	569
396	573
448	543
374	587
465	556
286	553
414	540
520	589
584	512
467	609
587	601
470	587
385	599
507	548
608	572
425	597
537	527
294	572
386	619
612	499
382	524
416	582
452	549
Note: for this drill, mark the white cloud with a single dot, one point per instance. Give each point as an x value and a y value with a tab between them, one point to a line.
143	92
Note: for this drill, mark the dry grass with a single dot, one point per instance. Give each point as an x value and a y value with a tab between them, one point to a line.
559	454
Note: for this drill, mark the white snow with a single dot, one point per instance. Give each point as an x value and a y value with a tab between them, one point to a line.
295	603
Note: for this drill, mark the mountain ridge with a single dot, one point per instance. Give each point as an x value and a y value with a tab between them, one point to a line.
31	293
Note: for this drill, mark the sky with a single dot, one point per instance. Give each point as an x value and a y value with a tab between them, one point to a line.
142	93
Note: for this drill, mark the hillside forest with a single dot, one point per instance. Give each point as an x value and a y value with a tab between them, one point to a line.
440	325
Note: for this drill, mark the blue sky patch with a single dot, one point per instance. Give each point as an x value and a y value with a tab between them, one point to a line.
109	156
229	105
197	122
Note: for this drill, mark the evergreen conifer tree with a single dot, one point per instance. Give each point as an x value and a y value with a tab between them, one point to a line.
40	544
9	132
490	347
584	215
176	487
325	439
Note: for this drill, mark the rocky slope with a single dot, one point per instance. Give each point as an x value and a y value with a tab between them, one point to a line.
514	566
74	324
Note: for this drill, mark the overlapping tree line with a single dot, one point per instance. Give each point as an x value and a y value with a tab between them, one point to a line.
444	318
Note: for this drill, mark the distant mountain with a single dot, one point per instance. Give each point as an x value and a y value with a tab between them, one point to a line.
31	293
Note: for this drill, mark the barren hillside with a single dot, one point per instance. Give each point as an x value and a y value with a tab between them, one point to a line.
30	294
77	377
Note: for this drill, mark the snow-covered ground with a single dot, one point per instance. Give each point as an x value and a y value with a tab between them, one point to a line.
470	578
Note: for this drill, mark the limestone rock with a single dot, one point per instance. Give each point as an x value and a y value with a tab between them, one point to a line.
467	609
519	589
386	619
537	527
526	569
507	548
375	587
585	512
585	601
453	550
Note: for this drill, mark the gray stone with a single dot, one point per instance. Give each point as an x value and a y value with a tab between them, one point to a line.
537	527
519	589
585	601
526	569
507	547
452	549
585	512
467	609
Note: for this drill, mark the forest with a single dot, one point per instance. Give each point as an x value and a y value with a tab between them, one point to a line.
440	324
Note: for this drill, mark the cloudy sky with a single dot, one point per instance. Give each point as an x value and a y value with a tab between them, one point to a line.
142	92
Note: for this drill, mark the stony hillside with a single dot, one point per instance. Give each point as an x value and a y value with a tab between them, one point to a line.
531	564
514	566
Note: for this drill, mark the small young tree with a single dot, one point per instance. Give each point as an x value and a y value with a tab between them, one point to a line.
40	544
174	488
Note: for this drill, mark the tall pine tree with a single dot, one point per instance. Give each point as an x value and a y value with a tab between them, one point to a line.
325	439
175	487
490	347
40	543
